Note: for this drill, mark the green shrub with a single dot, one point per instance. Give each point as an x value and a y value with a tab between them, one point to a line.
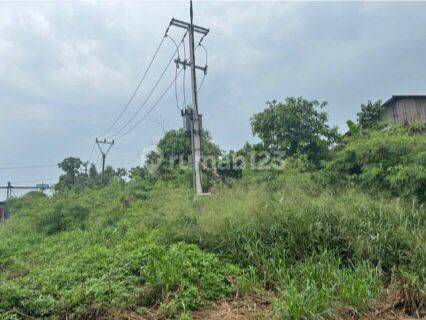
382	161
70	271
63	216
109	250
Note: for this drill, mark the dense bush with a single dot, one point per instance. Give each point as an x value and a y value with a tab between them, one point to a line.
317	243
63	216
132	247
392	161
71	272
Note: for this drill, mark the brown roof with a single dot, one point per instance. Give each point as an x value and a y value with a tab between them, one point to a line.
399	97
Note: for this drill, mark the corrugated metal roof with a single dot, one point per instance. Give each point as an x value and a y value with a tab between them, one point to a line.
399	97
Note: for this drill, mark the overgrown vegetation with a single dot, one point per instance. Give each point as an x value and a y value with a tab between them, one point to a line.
391	160
320	237
296	127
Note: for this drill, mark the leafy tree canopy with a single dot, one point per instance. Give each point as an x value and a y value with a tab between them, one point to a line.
71	168
173	148
75	177
370	114
176	142
296	126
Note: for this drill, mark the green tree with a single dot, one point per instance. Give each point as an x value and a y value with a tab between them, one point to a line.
296	126
71	168
171	151
120	172
93	172
176	145
370	114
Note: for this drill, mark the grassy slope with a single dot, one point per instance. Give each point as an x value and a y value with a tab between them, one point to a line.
128	249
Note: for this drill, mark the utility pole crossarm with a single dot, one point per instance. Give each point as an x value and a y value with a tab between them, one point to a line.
186	25
99	142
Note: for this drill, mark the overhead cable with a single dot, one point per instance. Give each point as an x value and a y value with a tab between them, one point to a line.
137	88
176	70
152	108
29	167
204	76
149	95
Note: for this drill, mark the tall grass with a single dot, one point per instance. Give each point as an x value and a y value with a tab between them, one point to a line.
275	233
127	247
252	226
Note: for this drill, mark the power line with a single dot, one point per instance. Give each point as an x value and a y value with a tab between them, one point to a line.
91	153
28	167
35	180
176	93
99	158
184	77
184	71
176	70
137	88
111	126
152	108
204	76
97	161
150	93
176	45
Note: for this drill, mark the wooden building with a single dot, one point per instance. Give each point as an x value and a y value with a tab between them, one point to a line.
406	109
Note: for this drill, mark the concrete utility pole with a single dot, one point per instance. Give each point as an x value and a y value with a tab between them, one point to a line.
104	154
195	116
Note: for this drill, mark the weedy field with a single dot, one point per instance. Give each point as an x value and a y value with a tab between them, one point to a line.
335	231
278	246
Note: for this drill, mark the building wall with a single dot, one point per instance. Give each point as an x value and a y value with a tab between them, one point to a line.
407	110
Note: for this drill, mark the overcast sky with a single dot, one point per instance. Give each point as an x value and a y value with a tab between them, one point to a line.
67	69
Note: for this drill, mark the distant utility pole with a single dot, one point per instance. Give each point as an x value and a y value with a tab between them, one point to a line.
104	154
194	115
9	188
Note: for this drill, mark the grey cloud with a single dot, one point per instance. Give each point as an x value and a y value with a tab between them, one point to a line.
68	68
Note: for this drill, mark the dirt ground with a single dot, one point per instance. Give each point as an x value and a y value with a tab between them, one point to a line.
390	307
237	309
246	311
